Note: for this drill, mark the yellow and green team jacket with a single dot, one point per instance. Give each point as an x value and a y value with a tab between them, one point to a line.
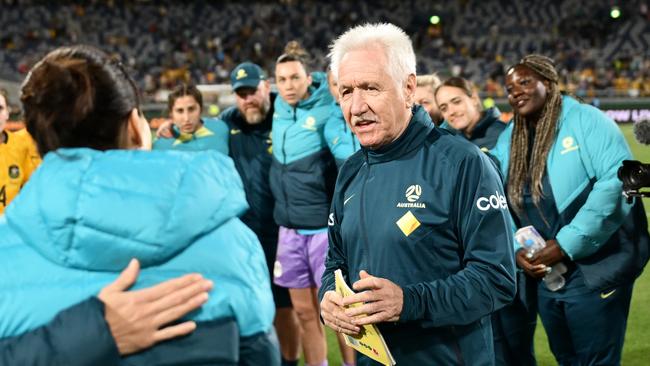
18	159
213	135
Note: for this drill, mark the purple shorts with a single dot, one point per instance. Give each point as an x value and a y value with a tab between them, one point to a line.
300	261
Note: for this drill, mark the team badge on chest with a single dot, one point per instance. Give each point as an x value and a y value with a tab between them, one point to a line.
569	144
412	194
310	123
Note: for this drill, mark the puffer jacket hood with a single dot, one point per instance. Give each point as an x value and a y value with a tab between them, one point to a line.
75	205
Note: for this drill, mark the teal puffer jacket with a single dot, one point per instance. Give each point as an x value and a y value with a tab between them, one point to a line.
85	213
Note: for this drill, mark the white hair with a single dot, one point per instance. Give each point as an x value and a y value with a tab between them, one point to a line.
391	38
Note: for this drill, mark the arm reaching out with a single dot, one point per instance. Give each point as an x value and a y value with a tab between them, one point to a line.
79	335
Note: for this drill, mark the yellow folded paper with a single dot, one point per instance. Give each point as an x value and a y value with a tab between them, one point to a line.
369	341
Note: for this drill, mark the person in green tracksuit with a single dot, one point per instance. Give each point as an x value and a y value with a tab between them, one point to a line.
514	325
419	222
463	112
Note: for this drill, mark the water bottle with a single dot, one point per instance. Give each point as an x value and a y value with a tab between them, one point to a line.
532	246
532	242
554	279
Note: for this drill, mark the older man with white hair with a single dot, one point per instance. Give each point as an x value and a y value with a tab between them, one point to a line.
419	222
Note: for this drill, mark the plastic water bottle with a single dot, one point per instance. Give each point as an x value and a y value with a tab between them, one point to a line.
554	279
532	246
532	242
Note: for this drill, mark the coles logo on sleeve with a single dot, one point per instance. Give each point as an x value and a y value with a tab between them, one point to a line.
496	201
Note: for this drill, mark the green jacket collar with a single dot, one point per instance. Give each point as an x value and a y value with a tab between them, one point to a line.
416	132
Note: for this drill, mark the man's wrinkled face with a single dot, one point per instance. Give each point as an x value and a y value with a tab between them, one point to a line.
375	107
254	103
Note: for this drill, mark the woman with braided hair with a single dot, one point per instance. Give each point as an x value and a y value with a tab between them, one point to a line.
559	159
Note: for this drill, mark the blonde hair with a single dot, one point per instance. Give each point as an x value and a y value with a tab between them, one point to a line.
430	80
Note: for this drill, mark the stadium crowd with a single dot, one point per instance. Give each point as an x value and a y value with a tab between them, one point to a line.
164	42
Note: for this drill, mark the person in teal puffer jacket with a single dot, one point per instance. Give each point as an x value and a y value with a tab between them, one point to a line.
96	202
302	177
560	160
190	132
339	136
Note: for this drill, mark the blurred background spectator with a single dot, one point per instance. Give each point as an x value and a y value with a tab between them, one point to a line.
602	46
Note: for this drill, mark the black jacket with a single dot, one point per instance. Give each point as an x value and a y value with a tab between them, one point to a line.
251	150
79	336
80	327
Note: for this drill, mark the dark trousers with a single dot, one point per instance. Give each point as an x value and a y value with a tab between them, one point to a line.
586	328
513	326
260	349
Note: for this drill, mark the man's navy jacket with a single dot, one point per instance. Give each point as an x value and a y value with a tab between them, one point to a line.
428	213
251	149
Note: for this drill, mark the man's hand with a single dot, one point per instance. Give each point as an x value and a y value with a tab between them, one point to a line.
382	300
135	318
551	254
165	130
533	270
333	314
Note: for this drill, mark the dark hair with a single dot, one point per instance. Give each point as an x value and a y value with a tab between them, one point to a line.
78	97
294	52
524	169
461	83
183	90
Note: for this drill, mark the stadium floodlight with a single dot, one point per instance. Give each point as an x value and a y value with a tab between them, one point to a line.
434	19
488	103
213	110
615	12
